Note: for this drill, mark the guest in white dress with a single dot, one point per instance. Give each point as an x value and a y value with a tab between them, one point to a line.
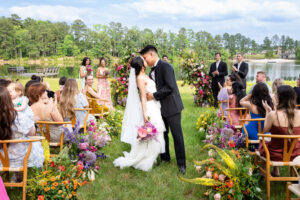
83	70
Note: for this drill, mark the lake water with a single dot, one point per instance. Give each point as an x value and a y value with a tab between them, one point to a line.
286	71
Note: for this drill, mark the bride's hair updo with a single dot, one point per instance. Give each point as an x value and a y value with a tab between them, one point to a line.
137	63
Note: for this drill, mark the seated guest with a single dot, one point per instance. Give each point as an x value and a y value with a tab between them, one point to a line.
4	82
92	93
71	98
44	109
297	90
261	77
62	82
285	120
226	90
253	102
276	83
234	101
12	128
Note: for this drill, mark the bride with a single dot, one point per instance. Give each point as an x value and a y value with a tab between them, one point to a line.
137	112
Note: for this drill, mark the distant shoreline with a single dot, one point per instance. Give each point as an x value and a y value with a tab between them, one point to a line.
276	60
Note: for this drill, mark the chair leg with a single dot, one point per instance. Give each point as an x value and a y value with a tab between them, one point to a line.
268	174
288	194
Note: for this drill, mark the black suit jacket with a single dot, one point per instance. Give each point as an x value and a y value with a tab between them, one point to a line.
297	90
222	68
167	89
243	71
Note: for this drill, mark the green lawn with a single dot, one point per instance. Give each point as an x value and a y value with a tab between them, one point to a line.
161	182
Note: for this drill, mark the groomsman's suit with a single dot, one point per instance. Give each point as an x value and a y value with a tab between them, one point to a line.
222	69
242	71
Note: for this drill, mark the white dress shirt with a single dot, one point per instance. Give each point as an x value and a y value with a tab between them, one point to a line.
217	65
153	72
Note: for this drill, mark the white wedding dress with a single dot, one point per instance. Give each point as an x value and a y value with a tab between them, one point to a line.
143	155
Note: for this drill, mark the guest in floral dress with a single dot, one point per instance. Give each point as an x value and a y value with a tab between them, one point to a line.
12	127
103	83
83	72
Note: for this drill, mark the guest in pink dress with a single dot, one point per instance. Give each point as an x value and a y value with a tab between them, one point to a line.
103	84
234	102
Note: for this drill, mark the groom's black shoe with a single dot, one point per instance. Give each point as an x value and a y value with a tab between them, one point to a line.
182	169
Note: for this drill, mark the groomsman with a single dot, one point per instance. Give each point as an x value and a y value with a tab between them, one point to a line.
241	68
218	70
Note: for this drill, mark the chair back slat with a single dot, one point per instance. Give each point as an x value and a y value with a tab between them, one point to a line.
4	159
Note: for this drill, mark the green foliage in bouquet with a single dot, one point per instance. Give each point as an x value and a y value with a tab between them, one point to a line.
206	119
228	174
194	74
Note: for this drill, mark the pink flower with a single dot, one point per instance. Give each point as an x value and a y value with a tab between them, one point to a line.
142	132
217	196
97	167
200	92
84	146
93	149
120	67
61	168
123	82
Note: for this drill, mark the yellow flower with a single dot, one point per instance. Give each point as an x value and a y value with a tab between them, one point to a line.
59	191
52	178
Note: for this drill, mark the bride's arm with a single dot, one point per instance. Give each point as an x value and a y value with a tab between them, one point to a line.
141	83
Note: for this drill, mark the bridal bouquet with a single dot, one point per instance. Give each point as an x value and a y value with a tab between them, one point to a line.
89	69
147	132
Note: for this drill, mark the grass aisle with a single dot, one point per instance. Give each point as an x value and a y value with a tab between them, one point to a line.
161	182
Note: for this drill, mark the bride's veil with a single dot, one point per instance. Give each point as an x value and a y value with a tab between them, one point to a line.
133	116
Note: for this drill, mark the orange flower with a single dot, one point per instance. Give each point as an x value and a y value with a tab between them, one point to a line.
45	172
74	194
44	183
75	184
53	188
52	178
47	189
55	184
41	197
63	196
67	186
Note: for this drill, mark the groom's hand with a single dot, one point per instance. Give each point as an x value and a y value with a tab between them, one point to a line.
150	97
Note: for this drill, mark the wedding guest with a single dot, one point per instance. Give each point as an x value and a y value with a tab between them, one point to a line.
40	79
103	83
234	101
62	82
4	82
218	70
241	68
12	128
285	120
44	109
165	58
276	83
261	77
83	70
297	90
72	98
253	102
92	93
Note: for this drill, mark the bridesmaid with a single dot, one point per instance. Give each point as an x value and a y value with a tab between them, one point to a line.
83	71
103	84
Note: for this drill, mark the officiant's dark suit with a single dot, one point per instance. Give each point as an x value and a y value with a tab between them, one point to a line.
221	67
242	71
171	106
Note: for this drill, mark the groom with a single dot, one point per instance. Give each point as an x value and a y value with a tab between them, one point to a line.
171	104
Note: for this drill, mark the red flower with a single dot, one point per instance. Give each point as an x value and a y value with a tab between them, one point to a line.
41	197
52	164
61	168
229	184
231	143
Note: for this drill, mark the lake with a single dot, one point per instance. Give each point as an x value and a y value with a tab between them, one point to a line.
284	70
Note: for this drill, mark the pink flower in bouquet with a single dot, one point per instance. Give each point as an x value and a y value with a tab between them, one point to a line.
93	149
120	67
207	77
123	82
89	68
199	74
125	91
92	122
205	81
200	92
142	133
83	146
97	167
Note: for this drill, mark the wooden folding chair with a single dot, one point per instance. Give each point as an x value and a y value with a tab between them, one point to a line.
243	114
287	152
260	130
6	167
223	117
74	120
92	102
45	128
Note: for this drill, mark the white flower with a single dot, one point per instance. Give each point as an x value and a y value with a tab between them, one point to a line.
222	177
91	175
194	69
198	168
250	171
199	68
211	153
208	174
198	79
217	196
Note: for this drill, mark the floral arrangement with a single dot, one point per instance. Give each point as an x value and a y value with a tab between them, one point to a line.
194	75
228	174
86	148
147	132
119	84
89	69
226	137
113	123
59	179
206	119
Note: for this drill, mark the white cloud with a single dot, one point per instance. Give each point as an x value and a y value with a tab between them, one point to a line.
46	12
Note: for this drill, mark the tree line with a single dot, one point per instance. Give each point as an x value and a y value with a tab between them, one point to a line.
36	38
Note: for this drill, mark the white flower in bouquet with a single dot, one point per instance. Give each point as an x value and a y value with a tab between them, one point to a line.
194	69
250	171
208	174
217	196
198	79
91	175
211	153
222	177
198	168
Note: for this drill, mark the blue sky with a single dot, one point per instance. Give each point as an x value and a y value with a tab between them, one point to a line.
253	18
